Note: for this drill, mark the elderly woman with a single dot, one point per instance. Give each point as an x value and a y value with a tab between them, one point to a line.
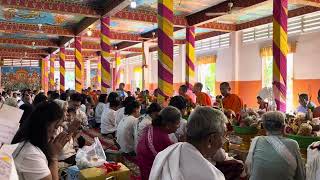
155	138
68	152
186	160
274	156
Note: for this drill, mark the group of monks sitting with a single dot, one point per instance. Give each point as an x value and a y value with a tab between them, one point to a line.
228	101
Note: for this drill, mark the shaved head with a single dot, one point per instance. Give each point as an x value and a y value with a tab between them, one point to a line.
225	88
197	87
225	84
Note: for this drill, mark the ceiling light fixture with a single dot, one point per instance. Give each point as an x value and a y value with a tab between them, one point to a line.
133	4
89	32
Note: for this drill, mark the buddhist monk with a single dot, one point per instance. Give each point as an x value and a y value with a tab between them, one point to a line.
230	101
183	92
316	111
203	99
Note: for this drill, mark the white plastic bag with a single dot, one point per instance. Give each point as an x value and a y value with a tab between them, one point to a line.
91	156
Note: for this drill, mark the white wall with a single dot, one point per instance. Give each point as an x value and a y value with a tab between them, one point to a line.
306	60
307	57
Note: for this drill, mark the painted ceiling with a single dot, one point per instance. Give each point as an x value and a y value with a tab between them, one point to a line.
25	35
94	40
252	13
37	17
181	7
128	26
181	34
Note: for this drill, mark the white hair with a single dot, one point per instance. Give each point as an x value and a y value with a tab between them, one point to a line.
273	121
62	104
204	121
11	102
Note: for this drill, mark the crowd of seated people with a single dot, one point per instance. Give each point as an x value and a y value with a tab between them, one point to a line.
179	139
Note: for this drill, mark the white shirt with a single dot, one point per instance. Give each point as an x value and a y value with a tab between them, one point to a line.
83	108
119	115
302	109
143	122
68	149
82	117
108	123
182	161
181	131
98	112
125	134
31	163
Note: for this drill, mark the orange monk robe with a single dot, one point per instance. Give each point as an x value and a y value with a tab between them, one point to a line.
203	99
316	112
188	99
94	97
232	102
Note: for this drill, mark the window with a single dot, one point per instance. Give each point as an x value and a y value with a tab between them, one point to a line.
121	75
267	77
296	25
206	73
137	81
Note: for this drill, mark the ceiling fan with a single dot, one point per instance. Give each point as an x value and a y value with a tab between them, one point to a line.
231	9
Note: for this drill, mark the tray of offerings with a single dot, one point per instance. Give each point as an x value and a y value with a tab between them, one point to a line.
303	141
302	129
245	130
245	125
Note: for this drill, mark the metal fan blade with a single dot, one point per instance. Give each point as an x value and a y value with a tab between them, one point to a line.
216	14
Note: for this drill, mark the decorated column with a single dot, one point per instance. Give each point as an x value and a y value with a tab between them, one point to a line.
190	56
44	75
144	66
106	79
117	70
62	59
88	75
98	85
51	73
78	64
280	51
165	49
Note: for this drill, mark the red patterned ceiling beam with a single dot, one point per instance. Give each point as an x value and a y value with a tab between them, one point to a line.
219	26
10	27
115	36
209	35
23	51
177	41
25	42
70	53
136	50
266	20
201	18
14	55
147	16
52	6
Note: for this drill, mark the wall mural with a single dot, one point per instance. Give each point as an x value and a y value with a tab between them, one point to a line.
94	78
18	78
37	17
